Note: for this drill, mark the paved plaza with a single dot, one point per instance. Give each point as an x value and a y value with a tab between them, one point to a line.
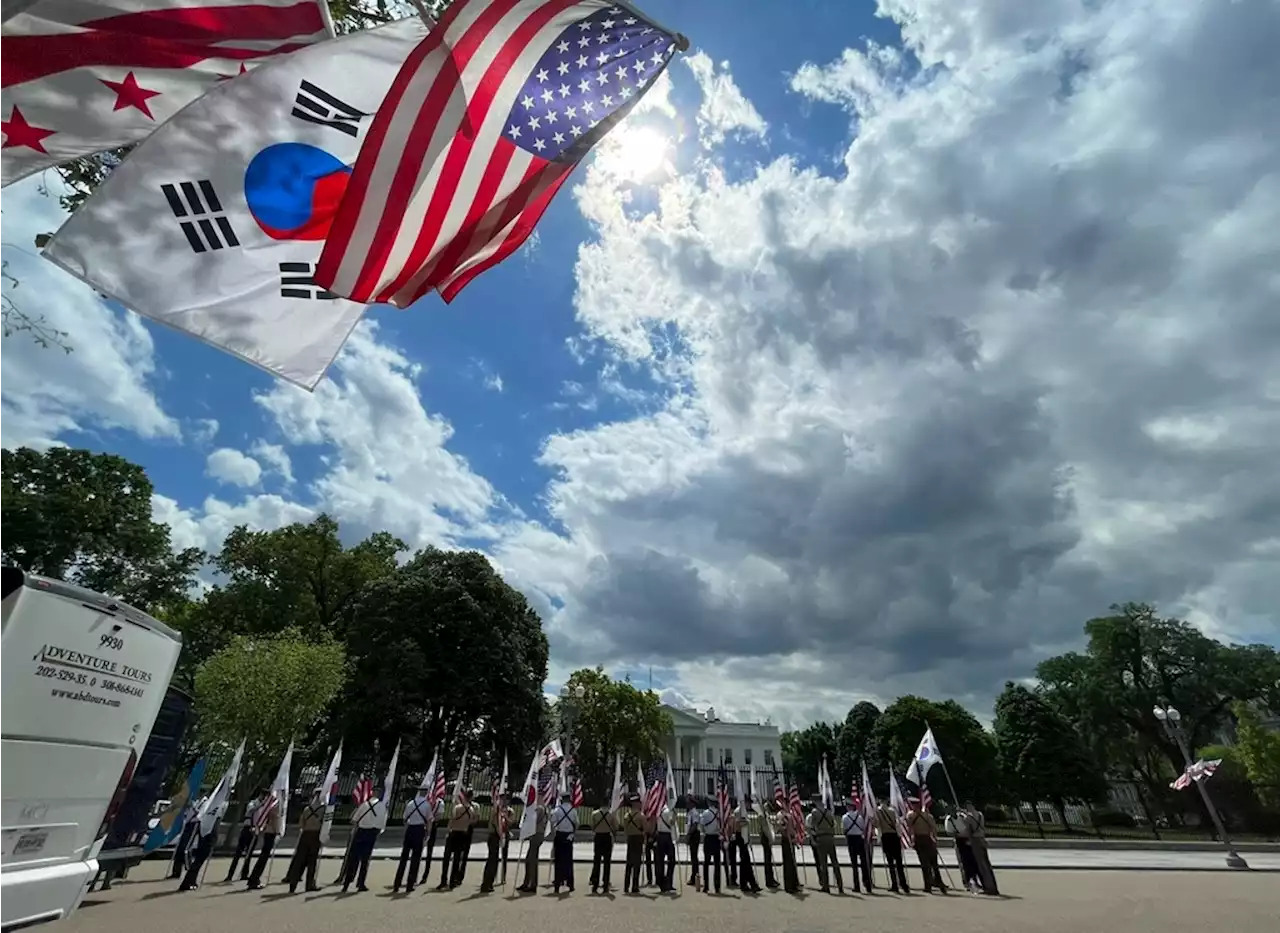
1035	902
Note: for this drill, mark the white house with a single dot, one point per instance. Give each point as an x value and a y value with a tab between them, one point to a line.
704	741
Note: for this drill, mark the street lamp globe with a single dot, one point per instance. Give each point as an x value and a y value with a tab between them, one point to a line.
1173	714
1160	714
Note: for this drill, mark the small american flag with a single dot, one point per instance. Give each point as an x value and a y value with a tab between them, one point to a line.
656	794
722	796
548	783
438	788
797	812
483	124
779	792
926	798
363	790
577	799
264	814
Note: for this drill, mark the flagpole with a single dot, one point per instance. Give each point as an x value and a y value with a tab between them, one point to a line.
955	800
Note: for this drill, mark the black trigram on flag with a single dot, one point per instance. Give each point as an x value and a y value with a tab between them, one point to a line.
296	281
200	215
318	106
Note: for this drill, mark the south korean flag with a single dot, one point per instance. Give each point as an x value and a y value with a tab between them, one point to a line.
214	224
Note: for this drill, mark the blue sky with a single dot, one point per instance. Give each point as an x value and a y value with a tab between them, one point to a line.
826	390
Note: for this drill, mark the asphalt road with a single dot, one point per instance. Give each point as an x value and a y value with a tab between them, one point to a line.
1052	902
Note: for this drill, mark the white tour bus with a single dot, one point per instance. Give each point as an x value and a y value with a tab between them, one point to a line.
83	676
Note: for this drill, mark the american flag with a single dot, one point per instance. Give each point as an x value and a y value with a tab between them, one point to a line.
797	812
438	788
263	815
577	799
363	790
926	798
548	784
656	795
722	796
442	191
779	792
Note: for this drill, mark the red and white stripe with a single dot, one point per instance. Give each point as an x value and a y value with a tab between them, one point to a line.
437	195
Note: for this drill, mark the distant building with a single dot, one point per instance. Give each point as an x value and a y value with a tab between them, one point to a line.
703	740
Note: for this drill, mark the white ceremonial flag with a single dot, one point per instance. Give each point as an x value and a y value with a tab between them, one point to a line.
672	793
927	755
276	810
216	802
529	819
213	225
81	76
330	790
615	802
389	788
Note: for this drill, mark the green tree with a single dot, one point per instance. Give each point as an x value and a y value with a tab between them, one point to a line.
610	717
802	753
1041	755
1258	749
268	690
968	749
83	517
853	746
444	653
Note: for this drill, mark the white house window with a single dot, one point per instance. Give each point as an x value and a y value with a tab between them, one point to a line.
728	756
746	756
768	756
711	786
711	756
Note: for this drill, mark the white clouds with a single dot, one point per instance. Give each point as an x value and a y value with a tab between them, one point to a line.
724	110
107	378
233	467
275	457
204	431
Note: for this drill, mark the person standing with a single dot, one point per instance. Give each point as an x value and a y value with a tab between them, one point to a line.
530	884
959	828
693	827
886	828
711	851
417	813
665	848
741	841
767	835
788	829
366	823
245	842
603	826
181	850
633	826
563	827
857	836
822	830
207	828
269	824
978	845
457	849
500	817
921	825
433	828
306	854
727	835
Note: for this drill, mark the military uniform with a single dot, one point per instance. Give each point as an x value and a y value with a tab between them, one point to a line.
742	842
417	813
767	835
787	831
207	828
189	827
245	843
603	825
925	830
978	843
306	853
563	826
499	825
728	834
366	823
634	825
530	884
693	825
665	848
433	829
456	847
822	829
711	852
267	832
886	827
857	836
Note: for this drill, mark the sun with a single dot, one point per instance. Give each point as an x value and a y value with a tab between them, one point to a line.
634	153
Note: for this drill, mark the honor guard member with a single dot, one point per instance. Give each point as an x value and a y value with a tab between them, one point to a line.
650	848
189	813
693	828
530	884
977	824
456	848
306	852
633	826
921	825
417	813
886	829
741	840
788	830
822	830
958	828
727	834
767	836
269	821
245	842
665	847
366	824
711	852
500	816
207	828
603	825
433	828
563	826
857	836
